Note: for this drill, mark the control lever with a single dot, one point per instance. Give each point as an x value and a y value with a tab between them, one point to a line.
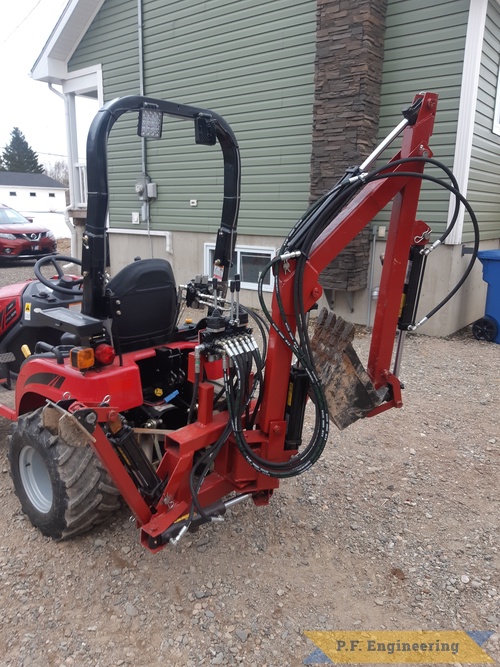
237	283
232	287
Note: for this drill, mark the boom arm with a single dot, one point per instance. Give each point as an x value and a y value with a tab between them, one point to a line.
404	231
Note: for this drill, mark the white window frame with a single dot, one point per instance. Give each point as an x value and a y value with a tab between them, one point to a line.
239	251
496	115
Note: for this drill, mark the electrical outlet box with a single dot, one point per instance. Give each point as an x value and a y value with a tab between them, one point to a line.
135	217
193	203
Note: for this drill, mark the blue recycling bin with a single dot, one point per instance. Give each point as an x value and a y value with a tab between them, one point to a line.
488	327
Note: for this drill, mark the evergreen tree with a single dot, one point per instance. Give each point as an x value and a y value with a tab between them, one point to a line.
19	156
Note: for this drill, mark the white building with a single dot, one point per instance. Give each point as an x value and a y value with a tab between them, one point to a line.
37	197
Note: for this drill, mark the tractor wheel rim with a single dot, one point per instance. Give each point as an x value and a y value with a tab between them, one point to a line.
35	479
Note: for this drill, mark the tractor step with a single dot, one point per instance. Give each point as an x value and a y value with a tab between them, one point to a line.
349	391
5	359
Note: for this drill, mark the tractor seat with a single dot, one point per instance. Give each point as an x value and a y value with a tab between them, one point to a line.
143	304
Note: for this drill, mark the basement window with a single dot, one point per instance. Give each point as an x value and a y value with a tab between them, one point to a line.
248	261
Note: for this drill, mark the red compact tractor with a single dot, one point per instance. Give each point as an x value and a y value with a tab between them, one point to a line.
114	399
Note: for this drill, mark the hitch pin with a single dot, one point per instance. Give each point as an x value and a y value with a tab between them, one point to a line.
290	255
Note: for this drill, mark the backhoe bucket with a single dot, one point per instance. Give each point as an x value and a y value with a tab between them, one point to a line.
349	391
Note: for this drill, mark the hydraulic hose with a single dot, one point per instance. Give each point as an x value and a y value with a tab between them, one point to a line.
475	225
301	238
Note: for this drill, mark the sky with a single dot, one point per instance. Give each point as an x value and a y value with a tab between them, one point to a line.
30	105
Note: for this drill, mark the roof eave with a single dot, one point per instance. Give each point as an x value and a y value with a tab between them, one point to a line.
52	63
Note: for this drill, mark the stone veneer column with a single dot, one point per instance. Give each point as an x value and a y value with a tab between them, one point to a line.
348	79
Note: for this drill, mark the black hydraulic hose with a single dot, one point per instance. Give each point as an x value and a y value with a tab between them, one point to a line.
436	163
472	215
194	396
205	460
259	377
307	230
264	330
296	465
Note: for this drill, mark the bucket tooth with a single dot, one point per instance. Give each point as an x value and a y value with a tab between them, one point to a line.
349	392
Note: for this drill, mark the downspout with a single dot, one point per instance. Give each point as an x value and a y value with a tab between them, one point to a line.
140	40
68	208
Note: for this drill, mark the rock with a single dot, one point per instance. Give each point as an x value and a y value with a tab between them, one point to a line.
379	601
464	579
242	635
130	610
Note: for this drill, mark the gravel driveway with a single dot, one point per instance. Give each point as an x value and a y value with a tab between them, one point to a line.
396	527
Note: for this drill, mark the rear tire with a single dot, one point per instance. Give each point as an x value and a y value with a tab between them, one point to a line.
64	490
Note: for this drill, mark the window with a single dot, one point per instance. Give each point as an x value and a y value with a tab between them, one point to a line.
52	194
13	194
32	194
248	261
496	116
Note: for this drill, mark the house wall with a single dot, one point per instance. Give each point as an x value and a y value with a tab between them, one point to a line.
424	51
243	72
111	41
483	190
254	64
349	59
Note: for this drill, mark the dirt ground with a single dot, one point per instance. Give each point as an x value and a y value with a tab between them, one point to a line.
396	527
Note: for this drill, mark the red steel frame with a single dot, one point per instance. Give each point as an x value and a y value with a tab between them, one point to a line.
404	231
231	472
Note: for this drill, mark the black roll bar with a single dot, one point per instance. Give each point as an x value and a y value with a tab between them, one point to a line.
94	247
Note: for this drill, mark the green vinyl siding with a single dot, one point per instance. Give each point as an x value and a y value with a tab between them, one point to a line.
254	64
251	62
483	190
112	41
424	51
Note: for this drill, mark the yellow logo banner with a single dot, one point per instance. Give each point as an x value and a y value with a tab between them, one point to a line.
394	646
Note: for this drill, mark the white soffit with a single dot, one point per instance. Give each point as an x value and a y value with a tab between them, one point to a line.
51	64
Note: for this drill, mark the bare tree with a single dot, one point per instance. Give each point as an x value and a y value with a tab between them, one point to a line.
58	170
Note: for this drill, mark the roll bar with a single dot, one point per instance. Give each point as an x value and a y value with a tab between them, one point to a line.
94	246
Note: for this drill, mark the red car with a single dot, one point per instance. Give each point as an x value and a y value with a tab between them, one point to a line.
21	239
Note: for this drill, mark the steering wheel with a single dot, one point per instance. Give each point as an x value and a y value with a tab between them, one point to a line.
64	283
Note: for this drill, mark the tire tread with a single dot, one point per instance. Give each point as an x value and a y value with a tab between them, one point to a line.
85	494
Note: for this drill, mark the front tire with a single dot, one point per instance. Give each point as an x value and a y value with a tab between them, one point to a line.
64	490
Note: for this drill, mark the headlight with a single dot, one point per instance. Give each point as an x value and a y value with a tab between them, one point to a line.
50	235
11	237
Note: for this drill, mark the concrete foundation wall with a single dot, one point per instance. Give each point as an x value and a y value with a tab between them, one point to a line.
186	254
185	251
446	261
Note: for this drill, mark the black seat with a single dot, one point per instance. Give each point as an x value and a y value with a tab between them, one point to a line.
143	304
